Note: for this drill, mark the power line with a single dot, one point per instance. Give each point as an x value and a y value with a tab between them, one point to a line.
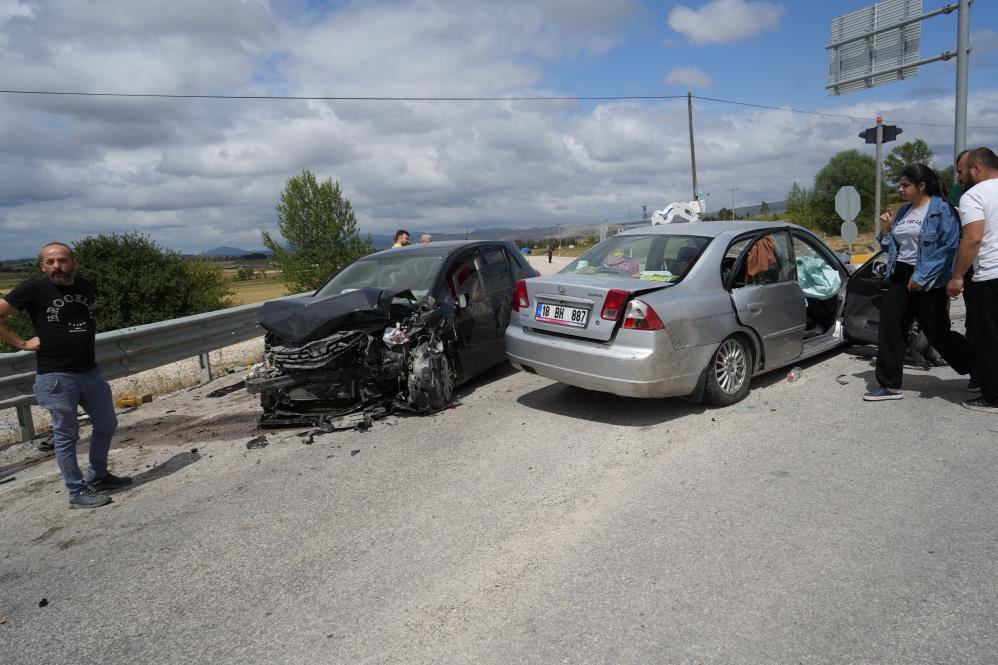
830	115
156	95
561	98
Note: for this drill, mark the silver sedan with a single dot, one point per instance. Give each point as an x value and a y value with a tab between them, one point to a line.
689	310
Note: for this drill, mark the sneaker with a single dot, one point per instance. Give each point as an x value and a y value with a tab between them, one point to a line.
88	498
980	404
110	482
973	386
881	394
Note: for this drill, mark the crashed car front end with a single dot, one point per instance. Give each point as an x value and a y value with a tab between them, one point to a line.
343	360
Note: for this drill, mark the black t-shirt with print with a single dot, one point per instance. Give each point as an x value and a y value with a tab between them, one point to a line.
64	322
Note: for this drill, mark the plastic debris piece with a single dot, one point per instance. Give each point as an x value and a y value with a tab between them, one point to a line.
395	336
219	392
7	479
132	400
794	374
353	452
841	380
43	602
258	442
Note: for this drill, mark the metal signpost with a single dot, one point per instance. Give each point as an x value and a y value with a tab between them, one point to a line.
879	135
847	205
879	44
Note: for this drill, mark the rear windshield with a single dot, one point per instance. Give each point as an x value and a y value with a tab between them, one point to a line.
396	271
656	257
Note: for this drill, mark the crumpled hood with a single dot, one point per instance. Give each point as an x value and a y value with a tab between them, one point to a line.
300	320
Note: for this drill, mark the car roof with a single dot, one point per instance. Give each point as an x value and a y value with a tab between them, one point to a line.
435	248
707	229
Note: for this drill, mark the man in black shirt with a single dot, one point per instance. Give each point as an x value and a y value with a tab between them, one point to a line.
60	306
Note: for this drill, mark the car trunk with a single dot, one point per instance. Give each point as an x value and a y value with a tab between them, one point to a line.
572	304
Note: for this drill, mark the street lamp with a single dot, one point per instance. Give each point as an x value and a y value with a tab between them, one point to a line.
733	190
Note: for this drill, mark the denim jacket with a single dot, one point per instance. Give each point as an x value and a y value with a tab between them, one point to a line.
938	242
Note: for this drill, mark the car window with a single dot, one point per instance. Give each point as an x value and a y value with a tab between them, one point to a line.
664	258
768	260
464	276
397	271
495	269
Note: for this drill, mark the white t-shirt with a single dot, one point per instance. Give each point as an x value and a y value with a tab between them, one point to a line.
981	202
906	232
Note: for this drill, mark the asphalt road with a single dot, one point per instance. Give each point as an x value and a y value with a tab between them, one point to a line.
533	523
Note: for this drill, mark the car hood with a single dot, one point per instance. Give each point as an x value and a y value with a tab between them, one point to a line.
301	320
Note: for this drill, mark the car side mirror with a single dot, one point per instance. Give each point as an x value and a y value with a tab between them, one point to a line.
462	300
880	270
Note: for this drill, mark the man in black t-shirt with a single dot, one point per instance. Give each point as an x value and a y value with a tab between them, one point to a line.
60	306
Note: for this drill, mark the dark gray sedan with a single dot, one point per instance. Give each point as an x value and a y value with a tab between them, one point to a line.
690	310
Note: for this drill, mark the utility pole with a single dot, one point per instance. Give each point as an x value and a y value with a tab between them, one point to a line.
733	190
880	169
962	66
693	152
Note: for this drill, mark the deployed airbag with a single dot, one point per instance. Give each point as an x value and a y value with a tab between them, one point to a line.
817	278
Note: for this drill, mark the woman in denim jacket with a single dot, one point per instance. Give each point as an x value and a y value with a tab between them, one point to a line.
921	243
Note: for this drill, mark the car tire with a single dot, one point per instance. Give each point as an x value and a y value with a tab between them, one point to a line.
431	380
729	372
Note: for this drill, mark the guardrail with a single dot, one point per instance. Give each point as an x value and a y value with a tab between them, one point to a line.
130	350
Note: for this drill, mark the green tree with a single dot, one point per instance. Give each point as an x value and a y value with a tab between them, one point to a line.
764	208
906	154
849	167
320	231
137	282
799	206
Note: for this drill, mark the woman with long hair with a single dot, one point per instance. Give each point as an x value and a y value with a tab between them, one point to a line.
921	243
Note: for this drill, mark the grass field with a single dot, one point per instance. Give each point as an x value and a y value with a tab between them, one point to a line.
256	290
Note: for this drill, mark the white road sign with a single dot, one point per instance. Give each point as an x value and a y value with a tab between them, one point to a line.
847	203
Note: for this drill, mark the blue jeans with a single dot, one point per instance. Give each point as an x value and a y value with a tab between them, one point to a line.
60	393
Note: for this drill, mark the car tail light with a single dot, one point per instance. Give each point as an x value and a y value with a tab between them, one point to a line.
641	316
520	298
613	304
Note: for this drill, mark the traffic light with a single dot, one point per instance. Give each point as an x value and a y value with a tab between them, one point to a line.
890	133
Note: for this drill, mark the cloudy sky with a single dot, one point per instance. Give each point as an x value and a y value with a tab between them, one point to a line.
196	174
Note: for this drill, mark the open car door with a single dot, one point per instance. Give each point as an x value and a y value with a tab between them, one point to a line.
865	292
767	297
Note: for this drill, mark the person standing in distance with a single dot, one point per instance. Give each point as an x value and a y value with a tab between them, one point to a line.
61	309
977	170
921	244
401	238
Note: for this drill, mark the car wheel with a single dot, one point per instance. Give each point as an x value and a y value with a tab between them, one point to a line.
431	380
729	373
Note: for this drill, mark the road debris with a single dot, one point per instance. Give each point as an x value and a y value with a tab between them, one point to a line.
7	479
221	392
795	374
353	452
126	401
841	380
43	602
257	442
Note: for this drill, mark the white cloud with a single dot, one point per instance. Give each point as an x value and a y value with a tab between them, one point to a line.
984	41
725	21
691	77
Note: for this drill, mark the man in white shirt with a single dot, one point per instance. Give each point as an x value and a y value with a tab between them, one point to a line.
978	172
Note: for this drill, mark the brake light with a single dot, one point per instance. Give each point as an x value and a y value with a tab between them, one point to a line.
520	298
641	316
613	304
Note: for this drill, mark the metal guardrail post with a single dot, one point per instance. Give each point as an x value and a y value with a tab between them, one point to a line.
205	363
25	422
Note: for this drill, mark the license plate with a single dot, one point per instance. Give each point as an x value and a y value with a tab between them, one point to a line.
562	315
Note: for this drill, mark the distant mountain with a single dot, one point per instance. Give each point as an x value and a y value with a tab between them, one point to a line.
232	252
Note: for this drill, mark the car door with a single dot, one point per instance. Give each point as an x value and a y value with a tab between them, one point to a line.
767	297
497	279
865	292
474	320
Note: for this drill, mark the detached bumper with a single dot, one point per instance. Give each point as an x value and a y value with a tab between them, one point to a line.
635	363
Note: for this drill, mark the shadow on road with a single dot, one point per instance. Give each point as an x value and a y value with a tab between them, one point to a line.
167	468
494	373
565	400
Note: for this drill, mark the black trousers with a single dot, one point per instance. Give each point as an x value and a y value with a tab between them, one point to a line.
982	315
931	310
